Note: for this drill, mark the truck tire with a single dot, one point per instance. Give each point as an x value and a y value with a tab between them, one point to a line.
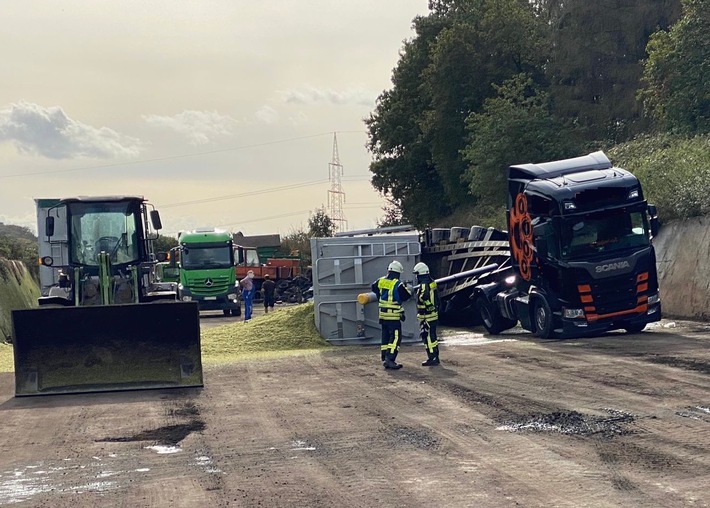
637	328
225	312
237	311
541	317
493	322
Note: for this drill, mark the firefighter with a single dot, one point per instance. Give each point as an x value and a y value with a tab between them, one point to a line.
427	312
391	294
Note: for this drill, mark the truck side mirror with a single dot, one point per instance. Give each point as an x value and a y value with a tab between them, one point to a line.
655	224
155	220
49	226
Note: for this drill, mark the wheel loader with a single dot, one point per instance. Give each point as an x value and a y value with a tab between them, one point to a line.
104	321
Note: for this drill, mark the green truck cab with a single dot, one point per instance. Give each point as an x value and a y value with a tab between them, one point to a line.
206	270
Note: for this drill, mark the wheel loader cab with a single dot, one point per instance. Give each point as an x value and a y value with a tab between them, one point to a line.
107	322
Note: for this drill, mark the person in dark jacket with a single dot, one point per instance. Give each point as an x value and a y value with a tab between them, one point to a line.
268	287
391	294
427	312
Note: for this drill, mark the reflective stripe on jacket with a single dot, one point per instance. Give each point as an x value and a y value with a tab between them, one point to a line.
426	302
390	305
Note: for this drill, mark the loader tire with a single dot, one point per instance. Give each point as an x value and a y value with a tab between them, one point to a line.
493	322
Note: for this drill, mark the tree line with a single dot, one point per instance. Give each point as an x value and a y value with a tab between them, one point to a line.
484	84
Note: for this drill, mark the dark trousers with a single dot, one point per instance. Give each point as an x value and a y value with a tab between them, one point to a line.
391	338
427	332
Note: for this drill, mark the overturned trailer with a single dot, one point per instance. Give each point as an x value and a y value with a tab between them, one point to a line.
347	265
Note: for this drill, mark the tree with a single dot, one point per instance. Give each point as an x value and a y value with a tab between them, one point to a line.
297	243
418	129
515	127
164	243
676	91
320	225
595	70
392	215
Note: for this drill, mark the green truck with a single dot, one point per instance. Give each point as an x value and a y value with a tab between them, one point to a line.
205	258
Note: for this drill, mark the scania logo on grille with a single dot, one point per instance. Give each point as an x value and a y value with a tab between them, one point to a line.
612	266
208	283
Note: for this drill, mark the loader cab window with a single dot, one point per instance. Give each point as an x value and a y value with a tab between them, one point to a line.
109	227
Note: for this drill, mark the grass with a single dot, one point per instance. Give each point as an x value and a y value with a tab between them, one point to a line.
287	331
17	291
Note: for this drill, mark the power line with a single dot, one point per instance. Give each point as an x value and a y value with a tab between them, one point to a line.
173	157
244	194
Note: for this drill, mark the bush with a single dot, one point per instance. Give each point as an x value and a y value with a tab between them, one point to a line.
674	172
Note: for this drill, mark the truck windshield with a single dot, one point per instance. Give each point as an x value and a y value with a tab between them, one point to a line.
194	257
103	227
605	232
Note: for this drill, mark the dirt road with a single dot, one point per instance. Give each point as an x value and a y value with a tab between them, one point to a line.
613	421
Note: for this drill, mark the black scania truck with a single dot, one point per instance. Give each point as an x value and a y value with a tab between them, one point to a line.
582	259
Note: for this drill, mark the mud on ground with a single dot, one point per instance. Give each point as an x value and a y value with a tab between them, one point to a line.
621	420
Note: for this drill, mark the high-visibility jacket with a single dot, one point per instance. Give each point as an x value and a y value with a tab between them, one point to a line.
426	302
390	303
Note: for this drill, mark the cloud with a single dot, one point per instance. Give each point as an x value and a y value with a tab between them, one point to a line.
267	115
313	95
49	132
200	127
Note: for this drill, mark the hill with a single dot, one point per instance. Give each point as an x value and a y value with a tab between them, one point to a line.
19	243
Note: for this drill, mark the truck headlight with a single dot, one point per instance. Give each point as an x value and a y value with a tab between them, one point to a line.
232	296
186	298
654	298
572	313
180	287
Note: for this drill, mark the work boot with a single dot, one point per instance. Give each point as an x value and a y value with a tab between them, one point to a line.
390	364
431	362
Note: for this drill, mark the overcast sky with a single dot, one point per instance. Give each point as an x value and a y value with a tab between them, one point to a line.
220	112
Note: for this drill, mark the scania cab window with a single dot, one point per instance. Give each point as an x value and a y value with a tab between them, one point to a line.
603	233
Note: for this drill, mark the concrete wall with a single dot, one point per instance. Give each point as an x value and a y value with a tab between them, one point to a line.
683	256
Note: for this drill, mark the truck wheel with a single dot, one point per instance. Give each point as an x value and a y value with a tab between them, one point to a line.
637	328
225	312
542	318
237	311
493	322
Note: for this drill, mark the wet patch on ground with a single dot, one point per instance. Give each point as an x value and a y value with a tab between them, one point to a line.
188	410
472	396
681	363
166	437
419	437
169	435
573	423
701	413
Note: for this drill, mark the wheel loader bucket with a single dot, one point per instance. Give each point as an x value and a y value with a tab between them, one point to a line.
106	348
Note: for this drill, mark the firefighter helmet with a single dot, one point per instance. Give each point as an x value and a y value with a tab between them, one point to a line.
395	266
421	269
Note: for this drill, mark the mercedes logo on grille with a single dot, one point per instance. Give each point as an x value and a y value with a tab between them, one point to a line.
208	283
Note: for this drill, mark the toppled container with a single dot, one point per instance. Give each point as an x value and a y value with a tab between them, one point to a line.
345	266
